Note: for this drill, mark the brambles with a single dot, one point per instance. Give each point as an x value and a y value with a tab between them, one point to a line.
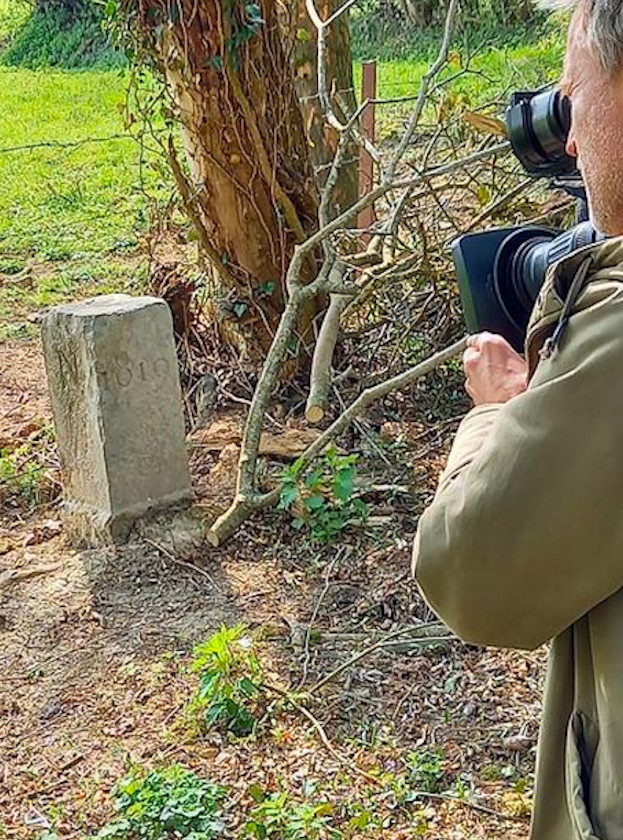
324	498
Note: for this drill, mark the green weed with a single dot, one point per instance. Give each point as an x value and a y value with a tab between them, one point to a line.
323	499
363	817
276	817
24	480
496	772
162	804
426	770
230	683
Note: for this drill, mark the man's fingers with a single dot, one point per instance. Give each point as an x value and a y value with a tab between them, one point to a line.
478	339
470	357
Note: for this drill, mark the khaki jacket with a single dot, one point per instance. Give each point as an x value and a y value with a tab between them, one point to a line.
523	542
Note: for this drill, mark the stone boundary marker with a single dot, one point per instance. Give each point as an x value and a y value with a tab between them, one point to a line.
117	404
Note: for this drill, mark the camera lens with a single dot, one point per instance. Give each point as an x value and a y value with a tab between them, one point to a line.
522	262
551	121
521	258
538	126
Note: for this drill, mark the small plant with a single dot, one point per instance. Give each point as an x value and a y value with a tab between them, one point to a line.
162	804
230	682
23	478
463	787
363	818
324	499
276	817
426	771
421	821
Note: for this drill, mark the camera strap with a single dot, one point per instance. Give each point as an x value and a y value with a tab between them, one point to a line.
577	284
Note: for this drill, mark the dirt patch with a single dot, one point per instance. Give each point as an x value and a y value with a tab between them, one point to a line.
24	402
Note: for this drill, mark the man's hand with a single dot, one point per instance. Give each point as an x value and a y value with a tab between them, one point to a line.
494	371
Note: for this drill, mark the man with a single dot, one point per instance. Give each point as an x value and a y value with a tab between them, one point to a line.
524	540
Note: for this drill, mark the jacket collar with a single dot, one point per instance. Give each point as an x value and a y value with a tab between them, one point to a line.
607	260
605	255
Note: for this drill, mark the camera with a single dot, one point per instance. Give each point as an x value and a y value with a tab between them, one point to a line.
501	271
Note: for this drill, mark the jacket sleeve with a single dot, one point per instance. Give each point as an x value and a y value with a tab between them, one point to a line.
525	534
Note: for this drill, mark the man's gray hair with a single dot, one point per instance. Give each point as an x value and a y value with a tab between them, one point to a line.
605	27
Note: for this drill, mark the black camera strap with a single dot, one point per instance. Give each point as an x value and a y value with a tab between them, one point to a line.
577	284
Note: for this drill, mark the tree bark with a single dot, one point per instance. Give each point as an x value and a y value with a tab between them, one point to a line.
251	186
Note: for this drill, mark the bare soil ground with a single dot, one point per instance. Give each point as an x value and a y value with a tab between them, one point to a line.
95	646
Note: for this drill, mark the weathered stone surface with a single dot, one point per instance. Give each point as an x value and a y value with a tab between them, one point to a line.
117	406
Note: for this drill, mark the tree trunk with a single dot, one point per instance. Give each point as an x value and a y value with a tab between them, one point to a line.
322	138
252	192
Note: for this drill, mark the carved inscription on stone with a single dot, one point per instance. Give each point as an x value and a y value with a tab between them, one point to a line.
123	371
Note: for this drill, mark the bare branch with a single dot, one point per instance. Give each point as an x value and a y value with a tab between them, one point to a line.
247	499
332	18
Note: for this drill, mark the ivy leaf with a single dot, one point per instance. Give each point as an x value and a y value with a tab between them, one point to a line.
343	484
313	480
247	687
257	793
254	14
289	494
314	503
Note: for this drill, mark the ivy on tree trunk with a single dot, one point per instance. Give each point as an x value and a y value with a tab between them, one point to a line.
251	186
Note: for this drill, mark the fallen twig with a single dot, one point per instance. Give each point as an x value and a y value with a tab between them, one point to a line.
465	803
345	666
327	583
183	563
342	759
246	501
11	576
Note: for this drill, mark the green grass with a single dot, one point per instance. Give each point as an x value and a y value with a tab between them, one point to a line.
70	217
58	203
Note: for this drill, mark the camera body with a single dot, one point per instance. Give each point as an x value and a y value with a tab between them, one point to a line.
501	271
